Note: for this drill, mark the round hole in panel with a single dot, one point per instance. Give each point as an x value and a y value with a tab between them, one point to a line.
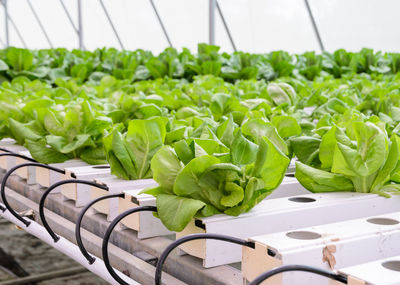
383	221
392	265
302	199
304	235
101	166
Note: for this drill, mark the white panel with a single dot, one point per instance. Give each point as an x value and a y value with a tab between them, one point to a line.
354	24
186	21
266	25
137	24
56	24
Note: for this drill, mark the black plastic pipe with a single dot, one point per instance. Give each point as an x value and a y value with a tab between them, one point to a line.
191	237
4	182
104	247
78	237
51	188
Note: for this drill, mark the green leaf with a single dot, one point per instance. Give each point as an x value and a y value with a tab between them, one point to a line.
327	147
156	67
286	126
176	212
144	138
306	149
44	154
19	59
165	166
318	181
271	164
243	151
22	132
258	128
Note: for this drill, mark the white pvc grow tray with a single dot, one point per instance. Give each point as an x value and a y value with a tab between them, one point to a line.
80	193
277	215
383	272
144	223
330	247
8	162
115	186
148	226
46	177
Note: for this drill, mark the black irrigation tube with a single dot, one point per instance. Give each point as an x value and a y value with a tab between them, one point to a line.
304	268
6	150
104	247
11	171
191	237
78	237
51	188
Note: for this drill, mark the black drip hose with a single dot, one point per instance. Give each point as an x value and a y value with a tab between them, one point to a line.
191	237
6	150
304	268
4	182
85	253
104	247
51	188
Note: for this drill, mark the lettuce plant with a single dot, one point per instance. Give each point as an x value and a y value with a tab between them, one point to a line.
358	158
202	177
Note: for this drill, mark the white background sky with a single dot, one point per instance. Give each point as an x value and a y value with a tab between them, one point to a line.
256	25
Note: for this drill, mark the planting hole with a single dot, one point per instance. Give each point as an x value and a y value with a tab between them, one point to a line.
383	221
101	166
304	235
392	265
302	199
289	175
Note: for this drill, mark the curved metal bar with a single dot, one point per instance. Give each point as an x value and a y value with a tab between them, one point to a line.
303	268
228	31
191	237
78	237
104	247
51	188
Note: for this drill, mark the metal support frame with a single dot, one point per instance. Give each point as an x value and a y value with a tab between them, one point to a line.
2	43
226	25
161	23
40	23
76	29
80	26
111	24
211	22
69	17
10	20
314	24
4	2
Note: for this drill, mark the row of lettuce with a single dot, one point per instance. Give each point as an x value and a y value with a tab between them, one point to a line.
215	146
81	66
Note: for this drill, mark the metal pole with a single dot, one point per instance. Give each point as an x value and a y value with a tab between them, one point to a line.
80	25
211	22
161	23
6	23
13	24
314	24
226	26
69	17
40	23
111	24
